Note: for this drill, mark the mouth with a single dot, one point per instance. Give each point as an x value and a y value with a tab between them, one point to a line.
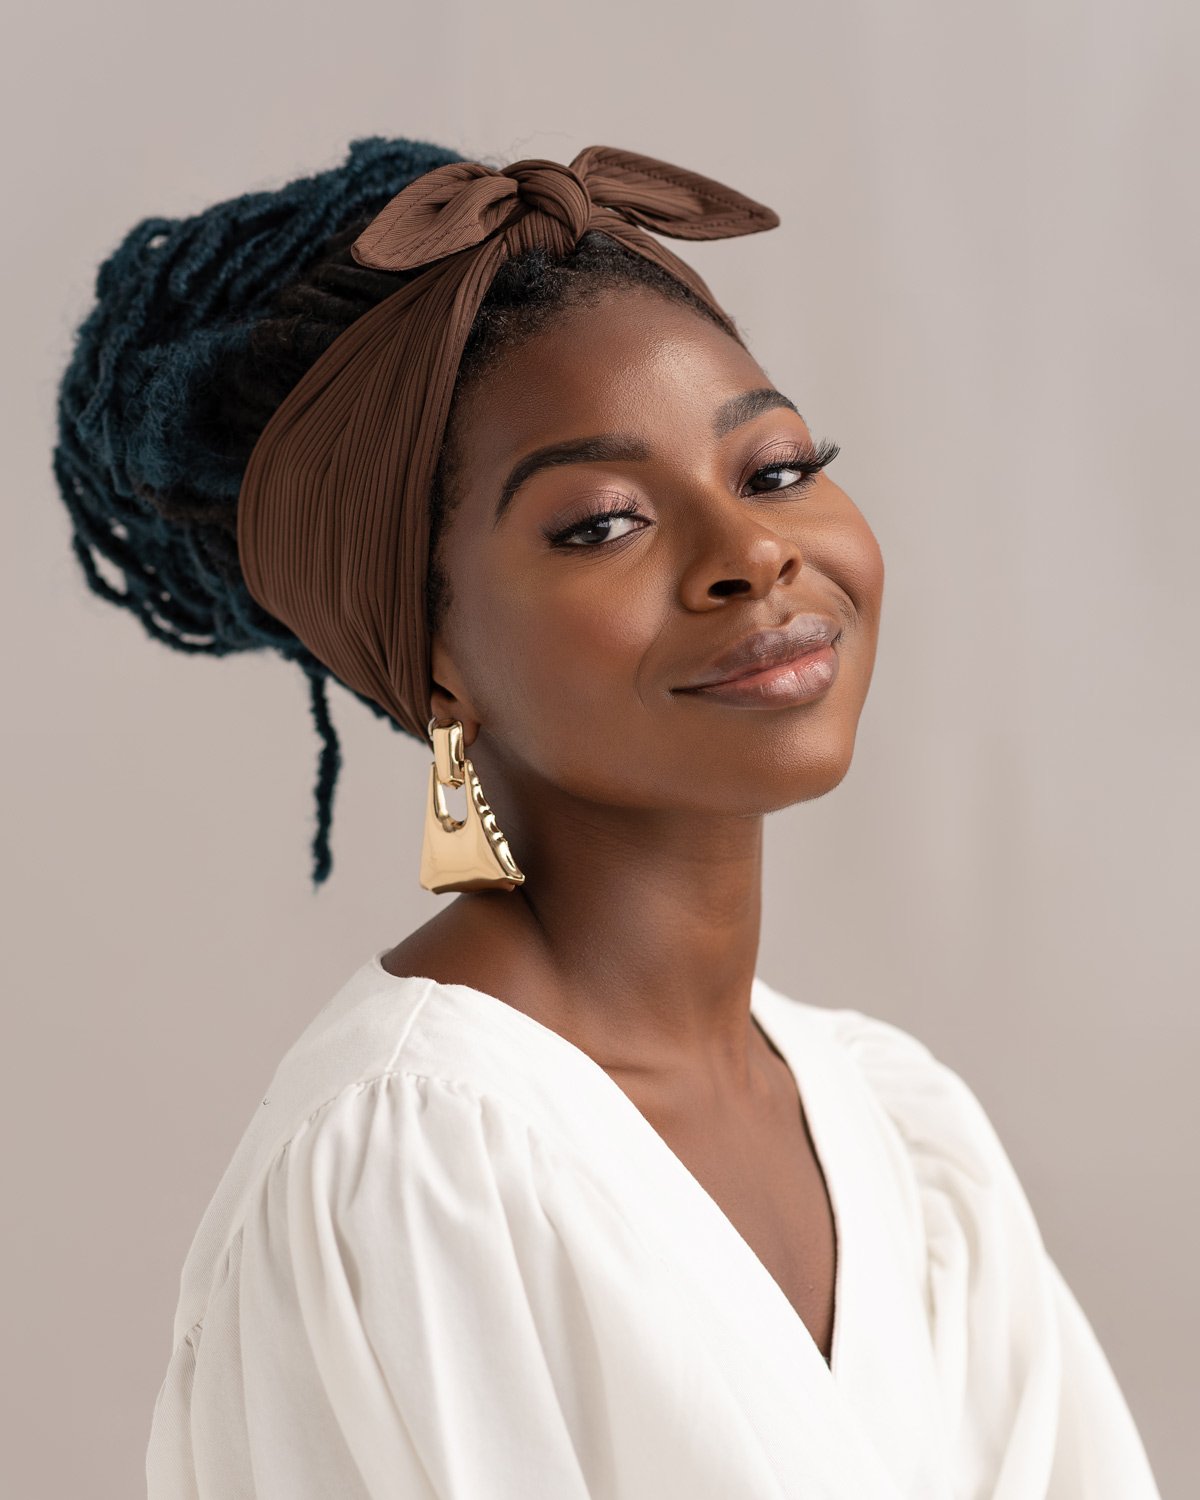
802	642
801	680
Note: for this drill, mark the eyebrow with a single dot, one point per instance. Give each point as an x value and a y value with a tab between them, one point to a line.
614	447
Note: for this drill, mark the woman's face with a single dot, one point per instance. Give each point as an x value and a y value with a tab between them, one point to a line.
568	640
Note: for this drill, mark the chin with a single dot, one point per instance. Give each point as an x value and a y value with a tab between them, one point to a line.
779	777
803	783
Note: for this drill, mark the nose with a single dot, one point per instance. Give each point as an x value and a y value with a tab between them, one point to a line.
735	553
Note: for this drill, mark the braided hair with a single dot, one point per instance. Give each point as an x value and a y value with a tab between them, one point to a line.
200	328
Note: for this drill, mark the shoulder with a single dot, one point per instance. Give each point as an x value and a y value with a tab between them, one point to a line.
921	1091
383	1026
929	1112
932	1106
394	1080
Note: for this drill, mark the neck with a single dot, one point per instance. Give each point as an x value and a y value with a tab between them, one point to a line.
635	933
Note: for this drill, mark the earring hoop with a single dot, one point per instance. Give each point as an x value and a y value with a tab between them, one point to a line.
471	855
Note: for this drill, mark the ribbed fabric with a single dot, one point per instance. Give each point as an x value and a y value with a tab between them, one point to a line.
333	512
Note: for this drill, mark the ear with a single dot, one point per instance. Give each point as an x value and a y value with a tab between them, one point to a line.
448	697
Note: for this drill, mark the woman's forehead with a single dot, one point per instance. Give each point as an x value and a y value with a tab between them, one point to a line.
614	371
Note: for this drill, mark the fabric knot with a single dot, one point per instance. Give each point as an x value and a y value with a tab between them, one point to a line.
558	206
457	206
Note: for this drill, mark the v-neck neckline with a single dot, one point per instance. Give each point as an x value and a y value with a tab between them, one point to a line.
803	1062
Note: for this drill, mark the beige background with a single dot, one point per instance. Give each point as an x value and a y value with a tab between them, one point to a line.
983	287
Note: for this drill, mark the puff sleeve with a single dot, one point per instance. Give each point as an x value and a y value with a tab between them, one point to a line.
1031	1409
404	1324
425	1302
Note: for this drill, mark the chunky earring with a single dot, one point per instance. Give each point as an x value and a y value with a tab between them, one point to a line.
472	855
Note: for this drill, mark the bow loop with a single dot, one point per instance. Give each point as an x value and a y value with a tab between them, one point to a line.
669	199
448	209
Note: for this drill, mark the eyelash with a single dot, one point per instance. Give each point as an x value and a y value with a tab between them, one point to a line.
807	460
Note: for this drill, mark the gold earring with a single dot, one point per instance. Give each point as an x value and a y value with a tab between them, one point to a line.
472	855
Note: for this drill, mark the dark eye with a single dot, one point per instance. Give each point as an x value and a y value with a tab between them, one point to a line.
806	460
572	536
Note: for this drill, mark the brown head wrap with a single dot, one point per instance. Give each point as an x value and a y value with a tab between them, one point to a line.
333	511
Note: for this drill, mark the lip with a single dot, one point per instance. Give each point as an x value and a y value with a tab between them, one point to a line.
786	683
803	644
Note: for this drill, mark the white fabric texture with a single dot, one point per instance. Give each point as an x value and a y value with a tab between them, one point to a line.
451	1260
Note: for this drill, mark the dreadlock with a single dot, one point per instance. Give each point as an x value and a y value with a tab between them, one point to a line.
200	328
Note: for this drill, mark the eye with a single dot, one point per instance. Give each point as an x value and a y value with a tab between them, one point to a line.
572	535
805	459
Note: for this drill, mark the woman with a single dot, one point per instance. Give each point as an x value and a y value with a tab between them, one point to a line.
556	1197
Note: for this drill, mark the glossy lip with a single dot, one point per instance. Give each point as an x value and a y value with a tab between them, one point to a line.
754	654
801	680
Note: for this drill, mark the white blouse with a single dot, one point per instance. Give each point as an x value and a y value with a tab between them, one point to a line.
451	1260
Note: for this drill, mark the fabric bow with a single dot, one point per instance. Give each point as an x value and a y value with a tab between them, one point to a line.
538	201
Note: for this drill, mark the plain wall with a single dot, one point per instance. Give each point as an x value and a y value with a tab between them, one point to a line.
983	287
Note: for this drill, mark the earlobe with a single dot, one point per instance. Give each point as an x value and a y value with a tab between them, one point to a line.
445	708
448	700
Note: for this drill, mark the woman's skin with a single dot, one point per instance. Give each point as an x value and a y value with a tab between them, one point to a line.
636	812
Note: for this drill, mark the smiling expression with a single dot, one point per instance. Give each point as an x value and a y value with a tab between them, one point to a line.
633	498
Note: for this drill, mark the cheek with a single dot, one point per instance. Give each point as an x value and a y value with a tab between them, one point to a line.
846	550
568	646
864	569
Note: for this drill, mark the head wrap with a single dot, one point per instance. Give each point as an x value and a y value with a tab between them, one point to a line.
333	510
